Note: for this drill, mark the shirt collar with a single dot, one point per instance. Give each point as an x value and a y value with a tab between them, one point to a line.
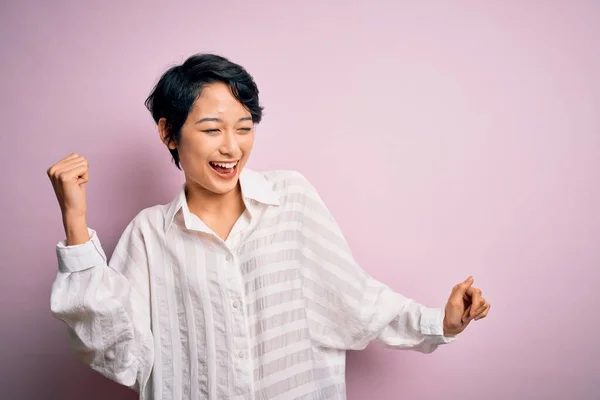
254	186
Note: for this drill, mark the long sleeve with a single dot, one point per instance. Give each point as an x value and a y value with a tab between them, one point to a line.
106	307
347	309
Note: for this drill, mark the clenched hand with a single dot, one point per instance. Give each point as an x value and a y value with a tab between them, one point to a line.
464	305
69	177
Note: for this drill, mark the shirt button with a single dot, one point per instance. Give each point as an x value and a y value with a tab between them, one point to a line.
228	258
241	354
236	304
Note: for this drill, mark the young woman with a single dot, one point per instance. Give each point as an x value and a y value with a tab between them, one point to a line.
243	287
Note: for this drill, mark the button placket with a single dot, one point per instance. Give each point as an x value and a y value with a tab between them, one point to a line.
240	335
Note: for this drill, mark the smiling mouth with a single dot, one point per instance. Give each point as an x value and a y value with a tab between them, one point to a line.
224	168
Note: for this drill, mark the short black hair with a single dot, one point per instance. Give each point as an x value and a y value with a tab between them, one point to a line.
178	88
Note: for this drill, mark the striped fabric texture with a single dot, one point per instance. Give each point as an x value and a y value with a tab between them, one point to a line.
178	313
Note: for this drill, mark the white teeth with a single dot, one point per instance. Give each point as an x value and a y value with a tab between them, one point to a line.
225	165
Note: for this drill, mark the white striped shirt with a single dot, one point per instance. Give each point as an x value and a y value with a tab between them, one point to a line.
178	313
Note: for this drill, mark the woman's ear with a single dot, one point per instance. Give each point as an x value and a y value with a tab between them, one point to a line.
165	137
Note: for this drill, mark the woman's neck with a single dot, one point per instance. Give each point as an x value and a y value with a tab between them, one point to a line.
206	204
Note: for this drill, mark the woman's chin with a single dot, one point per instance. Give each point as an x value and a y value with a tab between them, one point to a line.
218	186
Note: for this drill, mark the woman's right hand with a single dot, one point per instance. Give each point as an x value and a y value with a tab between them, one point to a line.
69	177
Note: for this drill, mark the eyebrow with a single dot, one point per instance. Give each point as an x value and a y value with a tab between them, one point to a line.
208	119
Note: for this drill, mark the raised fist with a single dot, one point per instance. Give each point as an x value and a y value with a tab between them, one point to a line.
69	177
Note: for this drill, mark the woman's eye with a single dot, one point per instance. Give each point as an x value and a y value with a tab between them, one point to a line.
210	131
245	130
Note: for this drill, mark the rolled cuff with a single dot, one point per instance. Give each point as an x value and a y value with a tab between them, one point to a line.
82	256
432	324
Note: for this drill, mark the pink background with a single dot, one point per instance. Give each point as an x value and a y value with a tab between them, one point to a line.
448	138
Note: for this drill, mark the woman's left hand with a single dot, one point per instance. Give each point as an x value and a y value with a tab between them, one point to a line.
464	305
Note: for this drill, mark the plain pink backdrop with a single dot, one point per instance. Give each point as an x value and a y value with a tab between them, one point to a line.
448	138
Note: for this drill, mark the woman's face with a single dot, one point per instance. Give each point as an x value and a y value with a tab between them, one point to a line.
216	140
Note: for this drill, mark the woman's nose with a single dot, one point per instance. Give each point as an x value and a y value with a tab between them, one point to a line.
229	145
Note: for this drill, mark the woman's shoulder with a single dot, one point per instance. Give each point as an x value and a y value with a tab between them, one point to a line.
290	184
285	178
148	219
